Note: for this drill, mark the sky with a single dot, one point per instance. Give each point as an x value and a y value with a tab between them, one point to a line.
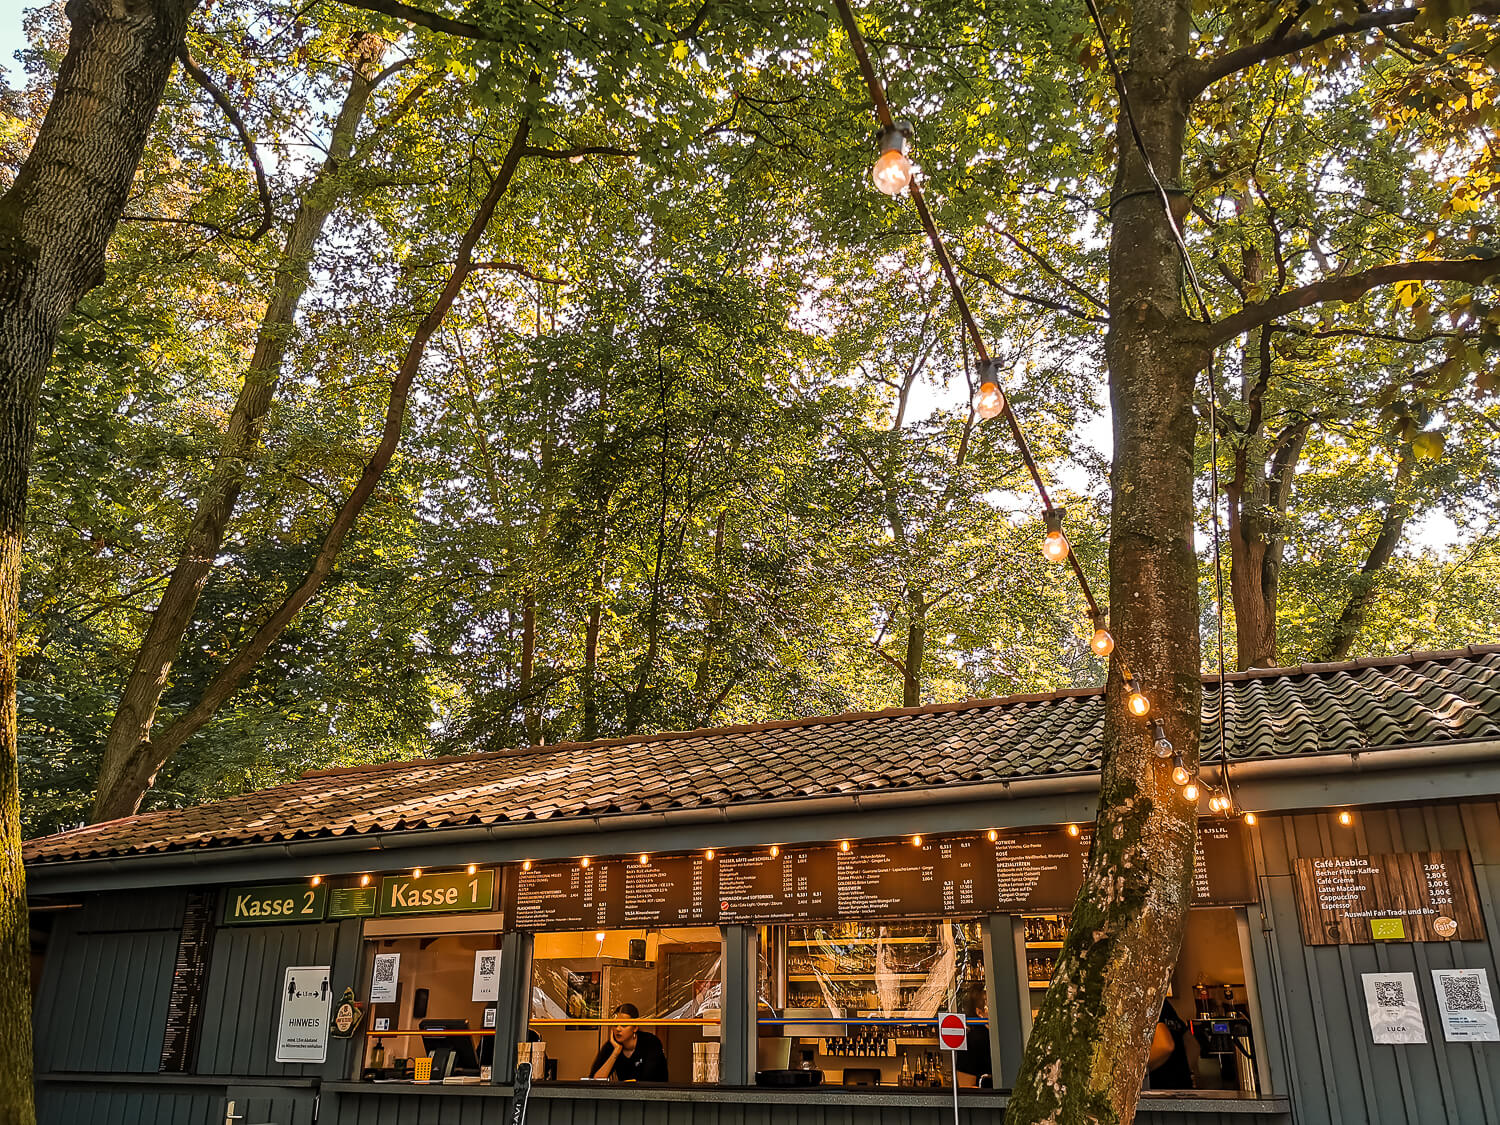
11	39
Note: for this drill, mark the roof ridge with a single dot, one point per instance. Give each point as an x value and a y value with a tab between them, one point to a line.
888	713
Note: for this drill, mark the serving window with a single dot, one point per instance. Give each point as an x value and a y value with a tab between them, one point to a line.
655	993
854	1003
432	1009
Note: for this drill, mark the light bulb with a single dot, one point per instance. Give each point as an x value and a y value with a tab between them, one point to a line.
892	172
1055	546
1101	642
990	402
709	854
645	858
526	865
364	880
1161	743
993	835
775	851
1138	703
1250	818
916	841
1072	830
471	869
584	862
1346	818
843	845
416	872
1180	775
1190	791
1213	803
599	936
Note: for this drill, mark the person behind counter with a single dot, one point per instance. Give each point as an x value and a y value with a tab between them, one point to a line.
631	1055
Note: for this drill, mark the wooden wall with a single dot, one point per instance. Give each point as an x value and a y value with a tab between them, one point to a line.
1314	994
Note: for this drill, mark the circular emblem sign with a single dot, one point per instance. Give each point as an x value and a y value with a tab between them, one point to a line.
1444	926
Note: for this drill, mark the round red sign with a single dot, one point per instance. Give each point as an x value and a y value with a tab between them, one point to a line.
952	1032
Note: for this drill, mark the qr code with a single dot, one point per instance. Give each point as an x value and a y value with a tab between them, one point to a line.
1390	994
487	966
1461	994
385	969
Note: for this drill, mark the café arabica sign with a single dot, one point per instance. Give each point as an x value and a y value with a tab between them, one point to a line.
437	893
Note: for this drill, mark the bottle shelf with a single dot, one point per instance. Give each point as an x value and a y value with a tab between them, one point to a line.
814	944
855	976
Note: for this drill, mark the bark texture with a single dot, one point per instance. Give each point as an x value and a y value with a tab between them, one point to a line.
135	714
148	757
1086	1056
55	223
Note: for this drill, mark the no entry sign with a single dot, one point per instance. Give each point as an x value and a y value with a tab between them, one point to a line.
953	1030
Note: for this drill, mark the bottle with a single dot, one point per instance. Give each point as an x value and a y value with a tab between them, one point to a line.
377	1056
906	1075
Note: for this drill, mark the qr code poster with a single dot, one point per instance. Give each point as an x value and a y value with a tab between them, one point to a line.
1395	1010
487	975
1467	1008
383	980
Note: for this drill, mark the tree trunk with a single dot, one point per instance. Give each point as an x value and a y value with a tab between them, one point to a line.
1257	502
911	674
138	773
1392	524
1086	1056
530	713
55	223
136	713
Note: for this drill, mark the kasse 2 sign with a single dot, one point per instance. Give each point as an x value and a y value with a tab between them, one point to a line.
440	893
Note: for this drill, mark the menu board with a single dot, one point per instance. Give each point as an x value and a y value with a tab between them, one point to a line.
1396	896
611	894
951	876
185	1000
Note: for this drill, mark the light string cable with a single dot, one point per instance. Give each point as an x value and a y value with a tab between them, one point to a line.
1103	643
1213	387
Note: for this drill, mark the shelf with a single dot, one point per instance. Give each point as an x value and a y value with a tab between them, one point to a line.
800	944
855	976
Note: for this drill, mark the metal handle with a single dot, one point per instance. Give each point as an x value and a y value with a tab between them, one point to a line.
230	1115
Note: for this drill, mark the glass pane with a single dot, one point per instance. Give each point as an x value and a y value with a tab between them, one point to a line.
656	994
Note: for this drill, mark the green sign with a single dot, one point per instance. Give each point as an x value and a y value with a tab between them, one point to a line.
446	893
291	902
351	902
1387	929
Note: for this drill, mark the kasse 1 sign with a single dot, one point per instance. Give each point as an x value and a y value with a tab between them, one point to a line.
442	893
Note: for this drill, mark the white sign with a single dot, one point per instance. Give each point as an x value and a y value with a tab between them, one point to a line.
306	1000
489	1017
953	1030
383	980
486	975
1395	1011
1468	1010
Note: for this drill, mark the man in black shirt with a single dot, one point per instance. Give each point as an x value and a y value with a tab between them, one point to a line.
631	1055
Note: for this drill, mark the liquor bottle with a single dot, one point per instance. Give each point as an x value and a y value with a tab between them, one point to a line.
906	1075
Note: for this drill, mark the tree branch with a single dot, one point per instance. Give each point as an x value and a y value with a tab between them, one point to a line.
516	267
431	20
1472	271
221	99
1208	71
578	151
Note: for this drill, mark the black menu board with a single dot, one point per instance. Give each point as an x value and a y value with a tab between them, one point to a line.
952	876
796	884
185	1000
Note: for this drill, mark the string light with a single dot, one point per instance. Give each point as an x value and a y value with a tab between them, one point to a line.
315	880
1180	775
416	872
1054	543
1251	819
471	869
993	835
990	402
916	841
1072	830
709	855
526	865
599	936
645	858
893	171
584	862
1190	791
364	880
1102	642
843	845
1346	817
775	851
1137	702
1161	743
1214	802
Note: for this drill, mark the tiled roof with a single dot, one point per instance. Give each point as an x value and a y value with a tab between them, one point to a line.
1421	699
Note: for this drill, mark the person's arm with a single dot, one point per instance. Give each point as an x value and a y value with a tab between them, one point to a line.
1162	1046
606	1068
